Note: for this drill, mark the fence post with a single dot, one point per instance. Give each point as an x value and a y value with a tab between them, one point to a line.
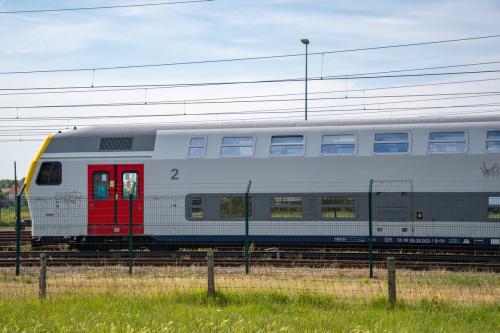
42	278
18	233
370	230
391	279
130	235
211	273
247	240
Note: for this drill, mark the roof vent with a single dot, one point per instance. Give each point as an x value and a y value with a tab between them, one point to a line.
108	144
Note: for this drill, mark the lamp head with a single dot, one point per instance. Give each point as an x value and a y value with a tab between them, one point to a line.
305	41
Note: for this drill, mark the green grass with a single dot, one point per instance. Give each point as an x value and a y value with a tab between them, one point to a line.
240	312
8	215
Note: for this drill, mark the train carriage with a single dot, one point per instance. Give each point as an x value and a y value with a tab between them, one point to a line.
436	181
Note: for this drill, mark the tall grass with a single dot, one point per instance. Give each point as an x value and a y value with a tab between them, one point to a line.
240	312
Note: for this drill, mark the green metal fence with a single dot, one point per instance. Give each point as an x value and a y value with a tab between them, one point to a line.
338	241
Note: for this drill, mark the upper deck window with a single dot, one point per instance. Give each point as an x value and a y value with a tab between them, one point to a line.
493	142
197	147
447	142
391	143
340	144
237	146
287	145
50	174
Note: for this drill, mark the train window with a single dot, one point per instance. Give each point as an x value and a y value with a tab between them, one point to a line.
287	145
234	207
50	174
493	142
237	146
197	147
390	143
494	208
130	185
100	185
338	207
446	142
341	144
196	208
286	207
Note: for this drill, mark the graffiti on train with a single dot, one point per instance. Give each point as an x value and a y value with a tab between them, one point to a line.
71	199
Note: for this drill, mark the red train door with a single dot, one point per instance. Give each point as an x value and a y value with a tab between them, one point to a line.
130	180
108	209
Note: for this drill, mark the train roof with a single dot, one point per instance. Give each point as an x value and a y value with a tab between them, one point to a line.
143	137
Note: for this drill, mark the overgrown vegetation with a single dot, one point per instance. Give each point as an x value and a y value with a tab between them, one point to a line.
240	312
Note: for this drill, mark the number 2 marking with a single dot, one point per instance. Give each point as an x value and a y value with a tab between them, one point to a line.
175	173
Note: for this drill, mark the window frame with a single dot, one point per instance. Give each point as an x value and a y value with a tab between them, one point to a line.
94	197
37	180
355	141
222	145
304	145
375	142
288	205
138	196
191	206
321	206
494	206
486	140
429	141
191	146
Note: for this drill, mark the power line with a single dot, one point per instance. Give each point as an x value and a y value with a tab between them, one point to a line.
27	11
86	69
225	83
271	118
348	110
223	101
95	89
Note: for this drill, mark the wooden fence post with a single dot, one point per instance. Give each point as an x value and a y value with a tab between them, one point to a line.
391	279
42	278
211	277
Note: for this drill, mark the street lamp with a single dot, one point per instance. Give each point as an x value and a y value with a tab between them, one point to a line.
305	41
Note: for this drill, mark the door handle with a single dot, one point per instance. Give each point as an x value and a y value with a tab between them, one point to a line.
91	206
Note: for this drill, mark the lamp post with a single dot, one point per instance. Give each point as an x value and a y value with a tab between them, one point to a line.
305	41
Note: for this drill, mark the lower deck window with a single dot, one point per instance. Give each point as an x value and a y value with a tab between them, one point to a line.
338	207
196	208
494	208
234	207
286	207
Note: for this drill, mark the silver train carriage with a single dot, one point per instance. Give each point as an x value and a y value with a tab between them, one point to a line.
436	181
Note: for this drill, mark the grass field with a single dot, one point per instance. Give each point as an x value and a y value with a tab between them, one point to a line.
240	312
8	215
349	284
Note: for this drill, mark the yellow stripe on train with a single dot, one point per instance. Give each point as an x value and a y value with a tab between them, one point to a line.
34	162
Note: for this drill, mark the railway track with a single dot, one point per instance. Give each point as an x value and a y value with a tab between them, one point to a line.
350	256
258	258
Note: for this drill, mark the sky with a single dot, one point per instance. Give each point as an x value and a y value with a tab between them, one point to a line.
224	29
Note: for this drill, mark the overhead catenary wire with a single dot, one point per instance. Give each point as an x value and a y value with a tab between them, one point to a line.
228	83
349	110
19	137
97	89
224	101
151	4
381	47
